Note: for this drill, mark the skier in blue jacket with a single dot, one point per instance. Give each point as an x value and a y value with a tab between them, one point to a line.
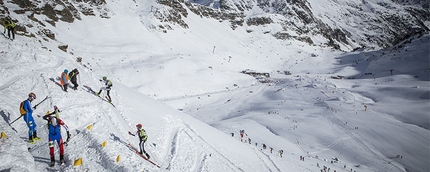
54	127
29	120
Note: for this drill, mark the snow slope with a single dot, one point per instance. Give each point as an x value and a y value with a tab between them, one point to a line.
186	89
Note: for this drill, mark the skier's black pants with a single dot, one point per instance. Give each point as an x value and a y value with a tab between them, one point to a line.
107	91
65	87
142	147
9	30
75	84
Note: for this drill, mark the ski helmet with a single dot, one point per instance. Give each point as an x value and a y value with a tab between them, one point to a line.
66	71
104	77
55	107
32	95
139	126
47	112
54	121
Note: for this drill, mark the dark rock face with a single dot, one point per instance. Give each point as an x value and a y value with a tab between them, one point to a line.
55	11
382	24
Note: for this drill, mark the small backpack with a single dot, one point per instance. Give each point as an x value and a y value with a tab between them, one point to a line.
71	74
21	108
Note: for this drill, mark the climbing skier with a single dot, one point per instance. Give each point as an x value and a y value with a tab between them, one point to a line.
108	85
54	127
142	138
64	79
10	26
27	113
72	75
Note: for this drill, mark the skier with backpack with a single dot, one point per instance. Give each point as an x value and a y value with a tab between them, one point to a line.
27	112
73	79
64	78
54	127
142	139
108	85
10	26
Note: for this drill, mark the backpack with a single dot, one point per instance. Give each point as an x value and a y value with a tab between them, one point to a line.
71	74
21	108
109	83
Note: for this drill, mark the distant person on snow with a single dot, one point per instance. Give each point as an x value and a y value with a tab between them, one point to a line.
242	133
54	127
64	79
72	75
108	85
27	113
10	26
142	138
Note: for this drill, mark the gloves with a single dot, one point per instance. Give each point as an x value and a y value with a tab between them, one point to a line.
130	133
100	80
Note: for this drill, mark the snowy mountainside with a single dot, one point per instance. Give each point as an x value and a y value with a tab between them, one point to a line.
341	24
177	142
177	68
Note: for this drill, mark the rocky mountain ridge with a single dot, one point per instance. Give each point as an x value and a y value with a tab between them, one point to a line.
383	23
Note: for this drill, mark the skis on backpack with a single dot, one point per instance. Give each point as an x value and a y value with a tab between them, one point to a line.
144	157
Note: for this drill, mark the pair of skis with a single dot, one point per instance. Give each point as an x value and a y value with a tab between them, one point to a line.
138	153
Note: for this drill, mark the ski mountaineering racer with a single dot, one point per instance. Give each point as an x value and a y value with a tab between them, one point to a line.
142	139
27	112
108	85
54	127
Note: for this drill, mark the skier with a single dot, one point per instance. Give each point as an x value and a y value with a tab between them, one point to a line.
56	112
281	152
142	138
64	79
108	85
54	127
73	79
10	26
27	113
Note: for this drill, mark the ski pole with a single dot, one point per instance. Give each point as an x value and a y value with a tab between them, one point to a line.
15	120
34	107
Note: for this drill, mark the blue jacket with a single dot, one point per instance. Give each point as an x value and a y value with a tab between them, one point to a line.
55	130
27	107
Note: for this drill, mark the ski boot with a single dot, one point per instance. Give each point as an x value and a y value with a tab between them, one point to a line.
52	162
35	137
30	140
147	155
61	159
